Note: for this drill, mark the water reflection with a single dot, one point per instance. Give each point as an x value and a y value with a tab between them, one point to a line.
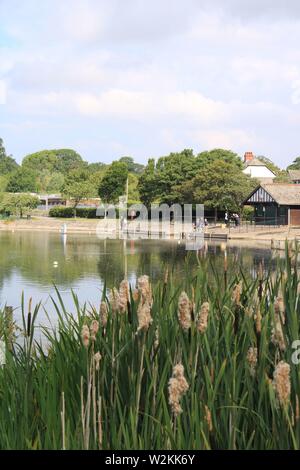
34	262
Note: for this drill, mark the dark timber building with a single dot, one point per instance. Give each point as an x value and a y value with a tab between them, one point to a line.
276	204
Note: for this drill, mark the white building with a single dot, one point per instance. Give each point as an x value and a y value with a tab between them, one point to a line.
257	169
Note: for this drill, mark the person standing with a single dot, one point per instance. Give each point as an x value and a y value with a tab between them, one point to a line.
226	218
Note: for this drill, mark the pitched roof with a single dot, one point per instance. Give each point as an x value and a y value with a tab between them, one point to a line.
286	194
294	174
254	162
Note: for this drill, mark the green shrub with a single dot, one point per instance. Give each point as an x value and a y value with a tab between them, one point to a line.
61	211
248	212
81	212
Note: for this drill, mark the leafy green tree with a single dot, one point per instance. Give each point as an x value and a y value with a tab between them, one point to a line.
282	177
77	187
295	165
132	166
55	183
219	155
61	160
172	171
18	204
219	185
133	192
113	183
21	181
97	167
147	185
7	163
160	181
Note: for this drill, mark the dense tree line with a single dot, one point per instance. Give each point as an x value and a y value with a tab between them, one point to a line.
214	178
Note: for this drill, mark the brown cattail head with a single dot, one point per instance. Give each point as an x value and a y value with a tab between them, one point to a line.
145	305
277	337
257	318
144	316
124	296
178	386
208	418
156	341
135	295
236	294
202	319
282	383
114	300
166	276
94	328
85	336
279	309
97	359
145	290
252	360
184	311
103	316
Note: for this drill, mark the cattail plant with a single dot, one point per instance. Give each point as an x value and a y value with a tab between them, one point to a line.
277	336
184	311
145	289
85	336
208	418
252	360
114	300
144	316
94	328
178	386
124	296
202	319
282	382
236	299
103	314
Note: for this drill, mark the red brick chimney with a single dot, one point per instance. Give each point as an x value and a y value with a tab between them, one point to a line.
248	157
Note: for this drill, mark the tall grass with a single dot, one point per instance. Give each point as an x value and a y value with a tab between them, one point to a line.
62	394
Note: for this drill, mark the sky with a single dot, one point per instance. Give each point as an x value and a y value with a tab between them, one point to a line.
111	78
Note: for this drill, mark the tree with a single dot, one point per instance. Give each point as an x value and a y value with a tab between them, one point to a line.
113	183
161	181
219	155
22	181
172	171
7	163
77	187
18	204
96	167
61	160
132	166
147	185
219	185
295	165
168	180
133	192
282	177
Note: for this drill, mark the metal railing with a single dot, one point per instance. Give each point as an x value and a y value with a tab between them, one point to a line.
243	225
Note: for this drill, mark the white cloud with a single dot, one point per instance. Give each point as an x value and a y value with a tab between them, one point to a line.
140	76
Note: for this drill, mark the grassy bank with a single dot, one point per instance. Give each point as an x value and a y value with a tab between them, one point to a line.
155	368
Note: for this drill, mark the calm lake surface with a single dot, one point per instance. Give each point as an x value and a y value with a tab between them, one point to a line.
35	262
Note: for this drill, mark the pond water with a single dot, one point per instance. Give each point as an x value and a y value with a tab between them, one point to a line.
34	262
